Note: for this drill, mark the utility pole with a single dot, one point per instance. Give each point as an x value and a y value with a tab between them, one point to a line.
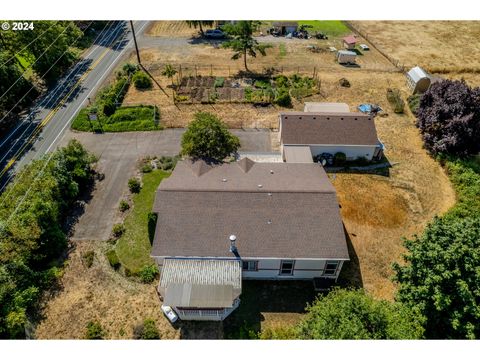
135	41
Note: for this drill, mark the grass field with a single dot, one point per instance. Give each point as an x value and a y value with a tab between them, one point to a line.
133	247
329	27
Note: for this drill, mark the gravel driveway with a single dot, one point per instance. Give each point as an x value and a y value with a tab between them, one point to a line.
118	155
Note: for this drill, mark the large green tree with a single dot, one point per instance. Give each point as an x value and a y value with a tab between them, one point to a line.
207	137
242	41
353	314
441	277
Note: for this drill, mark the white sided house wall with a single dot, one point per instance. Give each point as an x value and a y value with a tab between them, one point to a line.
270	269
351	151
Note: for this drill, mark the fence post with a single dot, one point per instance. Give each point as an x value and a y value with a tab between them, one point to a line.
211	70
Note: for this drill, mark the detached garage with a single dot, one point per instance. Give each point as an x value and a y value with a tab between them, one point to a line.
351	133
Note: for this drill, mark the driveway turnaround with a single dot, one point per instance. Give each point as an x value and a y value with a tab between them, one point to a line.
118	155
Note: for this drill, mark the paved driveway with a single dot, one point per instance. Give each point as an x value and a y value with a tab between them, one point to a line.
118	155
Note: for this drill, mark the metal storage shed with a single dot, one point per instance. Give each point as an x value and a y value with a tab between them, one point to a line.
418	80
346	57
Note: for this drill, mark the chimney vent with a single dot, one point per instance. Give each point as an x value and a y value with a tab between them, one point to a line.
233	248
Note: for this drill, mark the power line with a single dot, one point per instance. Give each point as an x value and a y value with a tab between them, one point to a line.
109	36
30	43
38	58
29	189
46	99
23	97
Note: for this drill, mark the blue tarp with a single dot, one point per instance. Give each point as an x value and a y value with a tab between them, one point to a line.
369	108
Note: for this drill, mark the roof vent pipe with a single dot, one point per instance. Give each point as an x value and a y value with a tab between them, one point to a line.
233	248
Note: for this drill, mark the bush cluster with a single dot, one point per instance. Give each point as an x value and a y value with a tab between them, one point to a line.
134	185
395	99
142	81
33	237
113	259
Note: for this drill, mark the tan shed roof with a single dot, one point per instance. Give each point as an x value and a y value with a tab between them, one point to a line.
326	107
319	128
297	154
200	282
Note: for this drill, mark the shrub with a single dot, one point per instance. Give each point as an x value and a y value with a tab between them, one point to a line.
283	98
87	258
344	82
219	82
395	99
141	80
361	161
152	223
134	185
94	331
113	259
129	69
118	230
147	168
146	331
148	273
281	81
414	102
262	84
124	205
109	108
339	159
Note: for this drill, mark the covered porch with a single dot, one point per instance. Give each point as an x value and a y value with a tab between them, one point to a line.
201	289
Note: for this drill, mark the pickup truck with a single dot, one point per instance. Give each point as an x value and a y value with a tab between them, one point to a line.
214	34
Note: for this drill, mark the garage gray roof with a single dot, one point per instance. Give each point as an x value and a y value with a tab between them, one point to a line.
294	214
319	128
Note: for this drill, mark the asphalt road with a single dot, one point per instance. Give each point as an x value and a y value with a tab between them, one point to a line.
40	131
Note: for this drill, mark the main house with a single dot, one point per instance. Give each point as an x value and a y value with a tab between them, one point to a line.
312	133
220	223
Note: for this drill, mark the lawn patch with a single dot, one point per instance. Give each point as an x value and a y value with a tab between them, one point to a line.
329	27
133	247
128	118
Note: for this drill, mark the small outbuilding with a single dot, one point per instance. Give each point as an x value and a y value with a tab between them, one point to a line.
346	57
349	42
326	107
418	80
285	27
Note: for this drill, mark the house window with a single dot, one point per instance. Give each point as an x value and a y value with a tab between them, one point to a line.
250	265
286	267
330	268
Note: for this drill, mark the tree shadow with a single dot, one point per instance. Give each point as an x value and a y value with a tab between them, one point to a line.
263	296
351	274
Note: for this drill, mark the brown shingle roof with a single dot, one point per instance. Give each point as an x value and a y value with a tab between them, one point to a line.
328	129
294	214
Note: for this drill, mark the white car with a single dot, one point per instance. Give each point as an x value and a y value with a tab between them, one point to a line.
364	47
169	313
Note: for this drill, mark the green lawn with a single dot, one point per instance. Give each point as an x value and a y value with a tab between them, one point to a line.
127	118
133	247
330	27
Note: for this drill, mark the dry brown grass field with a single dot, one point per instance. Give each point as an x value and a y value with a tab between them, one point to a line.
117	303
438	46
170	28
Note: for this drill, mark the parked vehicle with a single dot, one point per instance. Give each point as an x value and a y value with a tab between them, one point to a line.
214	34
364	47
169	313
